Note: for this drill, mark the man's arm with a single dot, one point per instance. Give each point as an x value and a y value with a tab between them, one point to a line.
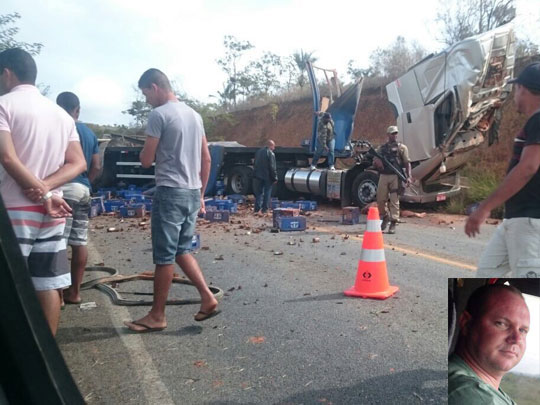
95	167
74	164
148	154
273	170
14	167
514	181
206	161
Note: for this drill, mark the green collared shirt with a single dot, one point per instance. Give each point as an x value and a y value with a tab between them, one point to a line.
466	388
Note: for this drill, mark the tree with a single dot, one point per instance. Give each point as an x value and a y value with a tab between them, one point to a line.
393	61
234	50
301	59
7	35
356	73
267	72
461	19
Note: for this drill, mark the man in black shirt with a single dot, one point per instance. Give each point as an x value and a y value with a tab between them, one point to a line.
515	246
264	176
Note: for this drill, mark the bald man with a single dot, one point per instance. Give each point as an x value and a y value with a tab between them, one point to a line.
264	176
492	341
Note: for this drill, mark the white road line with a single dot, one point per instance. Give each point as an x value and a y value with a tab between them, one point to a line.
153	388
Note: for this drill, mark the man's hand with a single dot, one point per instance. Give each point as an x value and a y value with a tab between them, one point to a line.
202	210
477	218
57	207
34	194
410	180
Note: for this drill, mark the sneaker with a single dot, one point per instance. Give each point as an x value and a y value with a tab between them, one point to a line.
384	223
332	168
392	228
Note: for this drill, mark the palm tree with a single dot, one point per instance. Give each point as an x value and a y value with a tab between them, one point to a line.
301	59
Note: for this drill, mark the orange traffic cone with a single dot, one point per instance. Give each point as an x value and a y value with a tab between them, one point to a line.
371	278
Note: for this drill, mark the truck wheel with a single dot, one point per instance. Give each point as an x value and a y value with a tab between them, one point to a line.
364	188
239	180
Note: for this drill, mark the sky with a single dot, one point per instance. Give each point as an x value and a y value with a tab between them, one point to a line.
99	48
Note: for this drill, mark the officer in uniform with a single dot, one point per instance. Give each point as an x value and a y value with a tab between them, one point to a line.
387	190
325	140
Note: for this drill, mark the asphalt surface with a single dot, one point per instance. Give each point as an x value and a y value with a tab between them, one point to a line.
286	333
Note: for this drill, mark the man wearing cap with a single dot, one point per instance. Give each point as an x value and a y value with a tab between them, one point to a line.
515	246
325	140
387	190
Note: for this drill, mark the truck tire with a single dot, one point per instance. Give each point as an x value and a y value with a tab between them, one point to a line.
364	188
239	180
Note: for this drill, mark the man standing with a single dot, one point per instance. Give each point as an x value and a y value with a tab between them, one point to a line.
397	155
493	329
325	140
176	140
39	151
77	195
515	246
264	176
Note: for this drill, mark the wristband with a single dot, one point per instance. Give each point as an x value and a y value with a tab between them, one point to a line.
46	196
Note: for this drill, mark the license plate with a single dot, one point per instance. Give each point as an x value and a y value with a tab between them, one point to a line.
441	197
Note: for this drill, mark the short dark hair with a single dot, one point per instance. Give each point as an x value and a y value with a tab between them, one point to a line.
20	63
478	299
68	101
154	76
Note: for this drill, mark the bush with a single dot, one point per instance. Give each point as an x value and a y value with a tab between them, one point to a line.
482	182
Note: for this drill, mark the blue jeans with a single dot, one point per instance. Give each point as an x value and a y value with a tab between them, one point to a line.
263	191
320	148
174	213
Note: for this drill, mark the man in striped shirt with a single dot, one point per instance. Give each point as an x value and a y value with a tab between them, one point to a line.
39	151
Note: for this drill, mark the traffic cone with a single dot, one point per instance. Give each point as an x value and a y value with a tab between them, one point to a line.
371	278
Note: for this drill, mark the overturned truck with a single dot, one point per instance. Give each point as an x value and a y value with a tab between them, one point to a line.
446	106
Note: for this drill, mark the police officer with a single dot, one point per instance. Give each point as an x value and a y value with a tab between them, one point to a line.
325	140
387	190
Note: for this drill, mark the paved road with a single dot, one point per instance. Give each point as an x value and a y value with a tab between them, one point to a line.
286	334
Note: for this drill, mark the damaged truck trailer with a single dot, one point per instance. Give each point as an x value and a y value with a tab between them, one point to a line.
446	106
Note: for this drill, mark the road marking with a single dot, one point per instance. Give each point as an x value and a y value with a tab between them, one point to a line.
455	263
153	388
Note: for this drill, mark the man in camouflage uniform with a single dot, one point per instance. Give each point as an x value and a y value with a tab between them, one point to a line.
325	140
387	190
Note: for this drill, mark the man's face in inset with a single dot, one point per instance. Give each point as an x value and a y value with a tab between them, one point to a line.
496	338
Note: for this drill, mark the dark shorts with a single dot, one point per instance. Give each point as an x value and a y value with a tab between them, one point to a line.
174	214
42	243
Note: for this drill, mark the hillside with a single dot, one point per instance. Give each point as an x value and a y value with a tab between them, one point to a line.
289	123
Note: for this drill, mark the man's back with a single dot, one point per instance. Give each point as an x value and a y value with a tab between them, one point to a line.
89	145
178	156
40	131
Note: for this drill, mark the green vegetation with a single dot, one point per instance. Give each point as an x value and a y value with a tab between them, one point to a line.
523	389
481	182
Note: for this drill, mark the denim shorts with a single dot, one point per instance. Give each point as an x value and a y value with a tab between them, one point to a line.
174	214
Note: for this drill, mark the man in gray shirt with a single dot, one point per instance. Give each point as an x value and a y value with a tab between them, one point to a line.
176	140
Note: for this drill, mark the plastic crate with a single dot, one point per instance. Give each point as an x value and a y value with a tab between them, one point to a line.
306	205
217	216
283	212
290	204
237	198
288	224
132	211
113	205
94	211
350	216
